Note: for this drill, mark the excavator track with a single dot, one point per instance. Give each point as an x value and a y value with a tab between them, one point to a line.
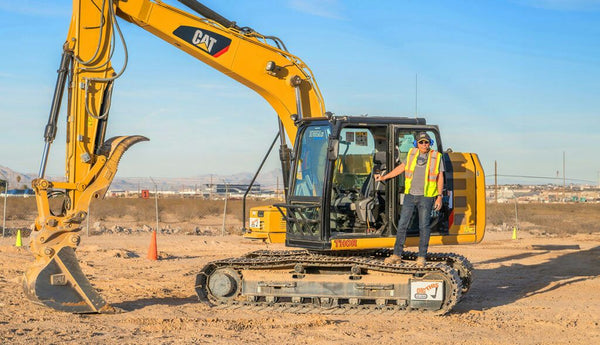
460	263
305	282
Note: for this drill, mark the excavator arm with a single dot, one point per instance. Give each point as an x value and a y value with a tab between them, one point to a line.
87	75
240	53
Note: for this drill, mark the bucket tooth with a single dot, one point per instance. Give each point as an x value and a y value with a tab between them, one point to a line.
60	284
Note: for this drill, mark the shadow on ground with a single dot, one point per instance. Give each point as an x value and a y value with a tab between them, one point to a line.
145	302
506	284
492	287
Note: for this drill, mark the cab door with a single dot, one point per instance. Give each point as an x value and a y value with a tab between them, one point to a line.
465	187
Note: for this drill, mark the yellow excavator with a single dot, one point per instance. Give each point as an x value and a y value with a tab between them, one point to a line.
338	218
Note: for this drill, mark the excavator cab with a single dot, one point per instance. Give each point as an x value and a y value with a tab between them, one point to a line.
335	203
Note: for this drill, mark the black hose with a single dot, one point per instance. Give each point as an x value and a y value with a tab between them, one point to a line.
208	13
252	182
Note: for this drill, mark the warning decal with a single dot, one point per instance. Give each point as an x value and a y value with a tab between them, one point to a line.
426	290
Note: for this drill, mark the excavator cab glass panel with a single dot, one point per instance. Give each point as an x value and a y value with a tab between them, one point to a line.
304	202
310	168
357	201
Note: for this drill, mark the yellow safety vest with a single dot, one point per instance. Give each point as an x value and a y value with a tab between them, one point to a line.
432	169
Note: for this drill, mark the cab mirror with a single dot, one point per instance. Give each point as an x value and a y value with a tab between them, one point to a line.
332	149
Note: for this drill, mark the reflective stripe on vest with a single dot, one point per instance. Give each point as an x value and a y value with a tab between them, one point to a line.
411	159
434	166
432	169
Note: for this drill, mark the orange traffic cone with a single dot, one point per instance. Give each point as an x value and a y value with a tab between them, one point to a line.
152	252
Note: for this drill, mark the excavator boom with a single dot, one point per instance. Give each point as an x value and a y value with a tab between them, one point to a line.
86	73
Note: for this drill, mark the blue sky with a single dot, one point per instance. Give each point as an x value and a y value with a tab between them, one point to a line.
517	82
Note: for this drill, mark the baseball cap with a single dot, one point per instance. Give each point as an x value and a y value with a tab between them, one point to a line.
422	136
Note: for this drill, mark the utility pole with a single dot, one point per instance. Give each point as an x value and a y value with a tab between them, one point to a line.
225	208
155	200
4	215
516	213
564	179
496	181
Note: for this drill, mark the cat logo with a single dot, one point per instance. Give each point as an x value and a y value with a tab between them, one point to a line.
205	40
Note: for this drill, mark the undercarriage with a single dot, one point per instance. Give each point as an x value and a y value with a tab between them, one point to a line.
301	281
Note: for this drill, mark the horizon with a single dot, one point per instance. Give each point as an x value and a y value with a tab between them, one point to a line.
267	176
514	81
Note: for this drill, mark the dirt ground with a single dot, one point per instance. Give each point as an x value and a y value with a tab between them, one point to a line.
539	289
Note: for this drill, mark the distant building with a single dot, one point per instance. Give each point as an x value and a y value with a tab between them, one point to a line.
239	188
544	193
117	193
20	192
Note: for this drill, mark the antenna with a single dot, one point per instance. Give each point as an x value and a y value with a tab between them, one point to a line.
416	94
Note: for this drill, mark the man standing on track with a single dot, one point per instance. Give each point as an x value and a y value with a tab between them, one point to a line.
424	182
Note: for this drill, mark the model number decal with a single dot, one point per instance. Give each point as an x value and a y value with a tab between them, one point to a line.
345	243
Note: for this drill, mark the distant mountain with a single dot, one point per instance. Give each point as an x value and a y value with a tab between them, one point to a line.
267	179
16	180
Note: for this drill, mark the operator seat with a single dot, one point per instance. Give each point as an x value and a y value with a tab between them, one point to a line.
370	194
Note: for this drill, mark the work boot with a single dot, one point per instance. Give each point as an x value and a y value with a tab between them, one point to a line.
421	261
393	259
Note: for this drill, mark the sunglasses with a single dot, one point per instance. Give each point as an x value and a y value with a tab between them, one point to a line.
423	142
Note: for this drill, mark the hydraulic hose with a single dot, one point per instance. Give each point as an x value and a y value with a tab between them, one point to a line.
208	13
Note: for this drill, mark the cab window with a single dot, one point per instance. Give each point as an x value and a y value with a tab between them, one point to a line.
310	168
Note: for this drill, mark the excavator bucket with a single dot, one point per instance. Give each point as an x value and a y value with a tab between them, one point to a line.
60	284
55	278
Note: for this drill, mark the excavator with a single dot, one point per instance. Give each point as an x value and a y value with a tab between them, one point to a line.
340	222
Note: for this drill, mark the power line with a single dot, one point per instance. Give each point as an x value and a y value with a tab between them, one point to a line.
540	177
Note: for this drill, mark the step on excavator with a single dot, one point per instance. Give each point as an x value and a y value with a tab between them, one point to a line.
340	222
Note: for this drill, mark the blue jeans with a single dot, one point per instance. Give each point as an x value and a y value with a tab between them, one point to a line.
424	206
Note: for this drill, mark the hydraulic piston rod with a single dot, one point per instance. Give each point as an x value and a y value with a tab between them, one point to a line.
50	131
